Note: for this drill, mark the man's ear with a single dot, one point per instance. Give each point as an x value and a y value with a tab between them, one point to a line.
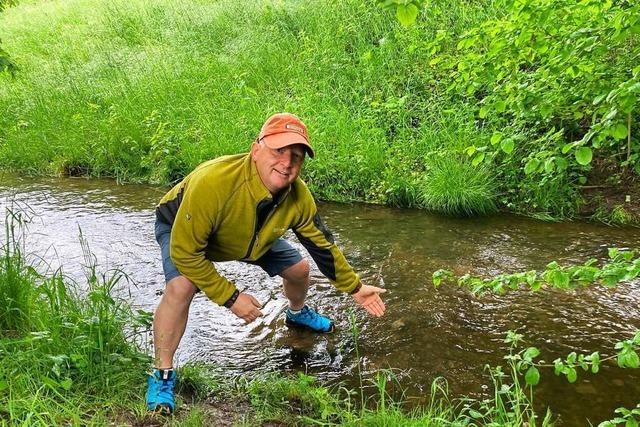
254	150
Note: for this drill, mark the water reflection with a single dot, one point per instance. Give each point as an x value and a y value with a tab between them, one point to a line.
426	332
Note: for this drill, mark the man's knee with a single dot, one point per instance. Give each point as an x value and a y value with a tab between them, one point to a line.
298	272
181	289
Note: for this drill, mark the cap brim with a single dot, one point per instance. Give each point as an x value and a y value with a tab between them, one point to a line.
285	139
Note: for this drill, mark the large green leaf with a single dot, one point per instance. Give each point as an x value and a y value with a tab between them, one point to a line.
531	166
584	155
507	145
407	14
532	377
619	131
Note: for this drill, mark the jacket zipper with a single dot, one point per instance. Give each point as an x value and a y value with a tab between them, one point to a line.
257	231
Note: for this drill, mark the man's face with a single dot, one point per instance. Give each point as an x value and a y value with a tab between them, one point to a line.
277	168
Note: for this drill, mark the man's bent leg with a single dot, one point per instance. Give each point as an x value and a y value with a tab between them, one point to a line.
170	319
295	280
169	323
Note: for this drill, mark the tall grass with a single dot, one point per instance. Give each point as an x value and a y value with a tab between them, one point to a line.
454	186
146	90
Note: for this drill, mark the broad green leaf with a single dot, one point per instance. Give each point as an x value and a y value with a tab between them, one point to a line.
632	360
619	131
66	383
532	377
407	14
572	375
483	112
558	365
531	353
507	146
567	147
595	362
631	422
582	180
495	138
531	166
500	106
561	164
475	414
584	155
477	159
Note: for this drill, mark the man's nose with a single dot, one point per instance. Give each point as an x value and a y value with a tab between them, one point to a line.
287	158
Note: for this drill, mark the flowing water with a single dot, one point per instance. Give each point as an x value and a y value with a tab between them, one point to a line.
425	333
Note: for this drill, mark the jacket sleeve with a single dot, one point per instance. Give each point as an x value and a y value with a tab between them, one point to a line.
195	221
319	242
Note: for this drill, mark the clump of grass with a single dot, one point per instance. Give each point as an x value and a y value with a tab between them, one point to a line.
455	187
275	397
17	295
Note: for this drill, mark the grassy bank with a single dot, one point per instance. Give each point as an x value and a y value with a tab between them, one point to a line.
146	90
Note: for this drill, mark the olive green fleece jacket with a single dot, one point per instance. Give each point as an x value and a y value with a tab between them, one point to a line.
213	213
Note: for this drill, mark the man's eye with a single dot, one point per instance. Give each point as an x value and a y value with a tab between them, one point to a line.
280	150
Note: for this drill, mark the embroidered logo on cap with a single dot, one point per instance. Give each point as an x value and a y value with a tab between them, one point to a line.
294	127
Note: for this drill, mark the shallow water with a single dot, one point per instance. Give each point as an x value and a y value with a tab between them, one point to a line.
426	332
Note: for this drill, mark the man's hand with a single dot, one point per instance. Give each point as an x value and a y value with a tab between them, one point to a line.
369	297
246	307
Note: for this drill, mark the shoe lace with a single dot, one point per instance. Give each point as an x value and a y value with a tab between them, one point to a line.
311	315
165	387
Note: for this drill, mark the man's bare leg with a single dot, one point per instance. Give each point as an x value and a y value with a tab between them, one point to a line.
170	320
295	280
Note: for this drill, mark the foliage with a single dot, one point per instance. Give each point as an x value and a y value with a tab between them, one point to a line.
630	418
557	80
623	265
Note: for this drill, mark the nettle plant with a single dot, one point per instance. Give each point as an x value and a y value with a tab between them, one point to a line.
564	73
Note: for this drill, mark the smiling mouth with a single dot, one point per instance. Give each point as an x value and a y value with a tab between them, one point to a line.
282	173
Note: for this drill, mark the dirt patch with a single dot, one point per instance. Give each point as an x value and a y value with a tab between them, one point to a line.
611	188
206	413
211	412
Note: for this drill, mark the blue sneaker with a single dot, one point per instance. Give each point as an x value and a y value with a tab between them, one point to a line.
160	385
309	319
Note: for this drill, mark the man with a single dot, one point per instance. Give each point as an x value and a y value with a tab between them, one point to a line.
237	208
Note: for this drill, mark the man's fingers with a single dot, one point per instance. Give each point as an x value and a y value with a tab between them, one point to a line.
375	306
374	310
255	302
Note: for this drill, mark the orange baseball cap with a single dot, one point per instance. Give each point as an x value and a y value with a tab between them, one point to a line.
284	129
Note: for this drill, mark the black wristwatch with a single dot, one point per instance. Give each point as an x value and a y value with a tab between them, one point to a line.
232	299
